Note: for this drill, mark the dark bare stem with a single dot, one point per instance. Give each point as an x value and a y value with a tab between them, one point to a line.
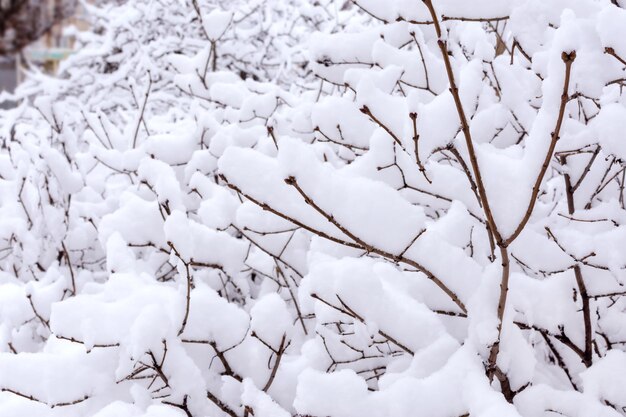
270	131
504	290
413	117
213	55
142	111
97	345
612	52
356	243
569	190
43	321
349	312
587	169
279	355
504	282
228	370
221	405
372	249
561	337
69	265
584	295
568	59
365	110
443	47
182	406
35	399
559	360
588	356
189	284
468	174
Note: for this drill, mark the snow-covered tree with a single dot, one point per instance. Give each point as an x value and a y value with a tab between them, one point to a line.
288	208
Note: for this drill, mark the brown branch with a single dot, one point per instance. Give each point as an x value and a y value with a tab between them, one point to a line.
504	282
267	207
612	52
280	273
600	186
69	265
97	345
189	284
35	399
504	290
569	192
474	19
372	15
357	244
349	312
568	59
588	356
39	316
561	337
221	405
468	174
419	48
559	360
443	47
517	45
453	18
142	111
612	294
416	136
182	406
270	132
365	110
279	355
495	348
372	249
228	370
587	169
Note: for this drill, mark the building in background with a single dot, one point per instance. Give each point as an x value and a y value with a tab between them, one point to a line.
8	73
55	45
32	33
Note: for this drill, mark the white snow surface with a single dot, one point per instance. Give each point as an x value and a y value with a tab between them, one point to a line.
286	208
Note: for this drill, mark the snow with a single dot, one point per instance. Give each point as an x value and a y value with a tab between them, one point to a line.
609	124
216	23
295	224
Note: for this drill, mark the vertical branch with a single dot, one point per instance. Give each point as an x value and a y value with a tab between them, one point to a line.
621	189
588	356
416	136
580	282
142	111
270	131
568	59
504	290
189	284
213	55
294	299
504	255
279	356
443	47
69	265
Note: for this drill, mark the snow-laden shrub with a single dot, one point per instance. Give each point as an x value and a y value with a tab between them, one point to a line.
290	208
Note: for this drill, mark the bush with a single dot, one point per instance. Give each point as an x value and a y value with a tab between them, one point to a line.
320	209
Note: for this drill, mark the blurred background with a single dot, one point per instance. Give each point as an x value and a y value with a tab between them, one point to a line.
34	33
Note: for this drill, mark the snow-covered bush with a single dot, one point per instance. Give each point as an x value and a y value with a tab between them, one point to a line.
292	208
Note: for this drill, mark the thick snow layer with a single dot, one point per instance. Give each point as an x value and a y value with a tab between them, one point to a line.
274	208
